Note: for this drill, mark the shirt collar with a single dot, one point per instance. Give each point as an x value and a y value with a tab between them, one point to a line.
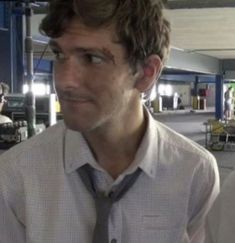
147	154
77	151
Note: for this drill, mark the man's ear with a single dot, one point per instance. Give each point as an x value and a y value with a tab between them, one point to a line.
149	73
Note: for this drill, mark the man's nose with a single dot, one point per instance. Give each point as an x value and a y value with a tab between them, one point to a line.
69	73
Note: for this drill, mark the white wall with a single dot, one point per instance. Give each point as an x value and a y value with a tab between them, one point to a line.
184	91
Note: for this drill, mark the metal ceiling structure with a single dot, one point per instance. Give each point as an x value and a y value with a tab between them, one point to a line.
208	31
182	4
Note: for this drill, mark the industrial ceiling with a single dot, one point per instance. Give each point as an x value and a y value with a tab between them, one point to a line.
209	31
182	4
203	26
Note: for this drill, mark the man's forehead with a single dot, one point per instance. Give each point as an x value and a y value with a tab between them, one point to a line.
79	47
75	37
78	30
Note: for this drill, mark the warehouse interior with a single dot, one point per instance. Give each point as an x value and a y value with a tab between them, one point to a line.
103	142
190	91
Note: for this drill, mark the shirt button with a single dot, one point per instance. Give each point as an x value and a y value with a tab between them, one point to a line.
113	241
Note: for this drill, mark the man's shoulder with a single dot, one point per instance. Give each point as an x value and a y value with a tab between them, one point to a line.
36	156
182	147
40	143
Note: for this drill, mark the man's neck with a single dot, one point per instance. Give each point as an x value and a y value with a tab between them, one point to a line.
115	147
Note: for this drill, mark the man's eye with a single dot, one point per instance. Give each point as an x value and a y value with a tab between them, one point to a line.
93	59
58	55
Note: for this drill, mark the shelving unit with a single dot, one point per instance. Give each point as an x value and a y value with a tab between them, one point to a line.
220	135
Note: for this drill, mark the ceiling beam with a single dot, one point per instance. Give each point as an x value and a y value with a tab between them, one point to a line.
181	4
193	62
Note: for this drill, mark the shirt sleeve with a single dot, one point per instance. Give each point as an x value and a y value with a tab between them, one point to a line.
220	223
12	229
204	190
212	223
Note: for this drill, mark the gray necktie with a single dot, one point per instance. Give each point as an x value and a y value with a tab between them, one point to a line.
103	203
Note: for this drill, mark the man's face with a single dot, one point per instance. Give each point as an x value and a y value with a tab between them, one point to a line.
94	82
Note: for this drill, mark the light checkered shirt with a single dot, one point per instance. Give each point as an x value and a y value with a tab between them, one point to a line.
42	199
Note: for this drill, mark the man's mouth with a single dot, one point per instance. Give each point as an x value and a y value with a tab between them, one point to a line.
74	99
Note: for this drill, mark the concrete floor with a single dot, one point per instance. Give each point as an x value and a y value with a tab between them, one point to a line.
191	125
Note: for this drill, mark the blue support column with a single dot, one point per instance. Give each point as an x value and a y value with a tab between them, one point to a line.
1	15
219	99
11	47
196	86
18	50
5	44
16	33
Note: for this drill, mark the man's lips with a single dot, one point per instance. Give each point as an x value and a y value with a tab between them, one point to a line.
71	96
80	100
74	99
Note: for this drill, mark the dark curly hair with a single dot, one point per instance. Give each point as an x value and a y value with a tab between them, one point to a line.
140	25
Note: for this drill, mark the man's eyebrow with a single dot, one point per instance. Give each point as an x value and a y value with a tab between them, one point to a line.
104	51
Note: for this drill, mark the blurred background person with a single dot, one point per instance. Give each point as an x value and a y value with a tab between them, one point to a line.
228	103
4	90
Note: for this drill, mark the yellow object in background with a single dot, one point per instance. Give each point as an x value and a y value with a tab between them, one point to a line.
57	106
157	104
217	127
195	102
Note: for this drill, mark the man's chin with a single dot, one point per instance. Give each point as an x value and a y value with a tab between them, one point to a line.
72	125
75	126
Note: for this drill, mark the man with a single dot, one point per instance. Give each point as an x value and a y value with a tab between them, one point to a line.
110	172
221	218
228	103
4	89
